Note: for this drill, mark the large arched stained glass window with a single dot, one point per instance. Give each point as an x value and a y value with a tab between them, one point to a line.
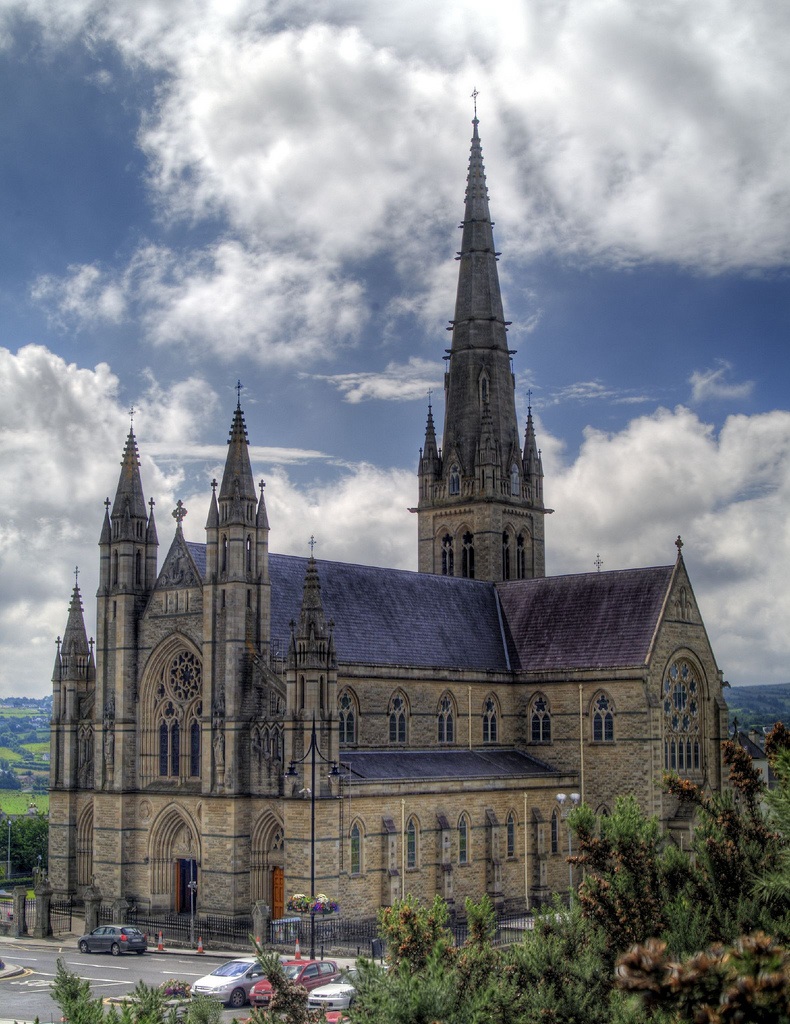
682	739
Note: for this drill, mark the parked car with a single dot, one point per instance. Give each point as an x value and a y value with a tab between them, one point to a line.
307	973
336	995
231	982
113	938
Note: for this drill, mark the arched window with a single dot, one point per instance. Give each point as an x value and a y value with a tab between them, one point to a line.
355	837
412	840
177	709
505	556
540	720
515	481
511	835
445	720
175	748
468	557
463	840
521	558
347	716
115	566
248	552
194	749
489	721
138	567
603	719
448	560
397	716
454	483
681	692
555	832
484	389
224	562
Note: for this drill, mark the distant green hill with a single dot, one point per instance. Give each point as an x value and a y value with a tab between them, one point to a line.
758	707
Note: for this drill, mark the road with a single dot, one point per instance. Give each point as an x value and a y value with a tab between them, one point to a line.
28	996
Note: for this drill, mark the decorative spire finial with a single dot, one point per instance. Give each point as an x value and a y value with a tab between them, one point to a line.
475	94
312	544
151	504
430	392
131	417
678	543
107	504
179	512
239	386
598	562
214	484
261	484
76	576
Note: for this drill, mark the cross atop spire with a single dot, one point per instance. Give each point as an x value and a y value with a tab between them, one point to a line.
475	94
76	575
312	545
239	386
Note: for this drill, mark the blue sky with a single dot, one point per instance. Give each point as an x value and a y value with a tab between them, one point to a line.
201	192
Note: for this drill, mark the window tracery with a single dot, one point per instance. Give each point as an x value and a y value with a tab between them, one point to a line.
448	559
468	556
463	840
177	710
489	721
347	717
603	719
681	692
445	721
540	720
397	717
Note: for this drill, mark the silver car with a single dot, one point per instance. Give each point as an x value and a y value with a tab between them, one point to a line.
336	995
231	982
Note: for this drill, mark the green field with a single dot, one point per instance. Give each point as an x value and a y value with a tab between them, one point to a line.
14	802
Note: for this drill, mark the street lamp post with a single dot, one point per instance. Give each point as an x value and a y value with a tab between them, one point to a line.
192	886
292	773
8	862
575	800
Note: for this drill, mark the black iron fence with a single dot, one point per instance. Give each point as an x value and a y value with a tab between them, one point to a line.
60	916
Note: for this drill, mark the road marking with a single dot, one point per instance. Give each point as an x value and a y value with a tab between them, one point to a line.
96	967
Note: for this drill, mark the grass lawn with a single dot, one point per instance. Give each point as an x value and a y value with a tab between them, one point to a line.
14	802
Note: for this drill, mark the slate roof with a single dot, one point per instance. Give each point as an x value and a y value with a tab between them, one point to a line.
443	764
395	617
594	620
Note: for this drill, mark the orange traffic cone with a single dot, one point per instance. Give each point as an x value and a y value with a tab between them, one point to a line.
161	946
298	953
200	944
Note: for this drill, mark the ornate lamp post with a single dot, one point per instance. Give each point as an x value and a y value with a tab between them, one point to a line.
293	773
575	800
192	886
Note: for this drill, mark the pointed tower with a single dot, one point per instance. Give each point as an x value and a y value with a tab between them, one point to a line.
312	674
478	516
237	604
71	742
128	548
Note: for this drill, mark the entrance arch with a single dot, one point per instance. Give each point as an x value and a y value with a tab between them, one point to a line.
174	858
267	864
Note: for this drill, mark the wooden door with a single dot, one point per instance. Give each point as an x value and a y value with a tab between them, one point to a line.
278	893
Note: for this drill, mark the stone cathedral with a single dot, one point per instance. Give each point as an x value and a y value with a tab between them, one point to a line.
431	717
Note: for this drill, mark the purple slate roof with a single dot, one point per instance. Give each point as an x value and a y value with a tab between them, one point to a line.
443	764
395	617
593	620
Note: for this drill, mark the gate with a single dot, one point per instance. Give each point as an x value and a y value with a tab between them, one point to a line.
60	916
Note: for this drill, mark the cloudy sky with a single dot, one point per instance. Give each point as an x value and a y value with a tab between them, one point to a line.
195	192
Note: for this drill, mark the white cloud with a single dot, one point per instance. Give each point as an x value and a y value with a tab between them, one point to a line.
619	133
713	385
227	301
397	383
628	495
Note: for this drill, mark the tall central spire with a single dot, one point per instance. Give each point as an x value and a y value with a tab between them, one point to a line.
478	372
480	507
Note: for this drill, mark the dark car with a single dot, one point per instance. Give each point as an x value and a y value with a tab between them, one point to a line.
115	939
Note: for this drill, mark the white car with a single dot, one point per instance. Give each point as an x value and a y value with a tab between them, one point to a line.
231	982
336	995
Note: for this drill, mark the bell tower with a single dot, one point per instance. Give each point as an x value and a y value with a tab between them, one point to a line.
480	507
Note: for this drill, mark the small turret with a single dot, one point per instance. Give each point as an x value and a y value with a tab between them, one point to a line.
237	498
